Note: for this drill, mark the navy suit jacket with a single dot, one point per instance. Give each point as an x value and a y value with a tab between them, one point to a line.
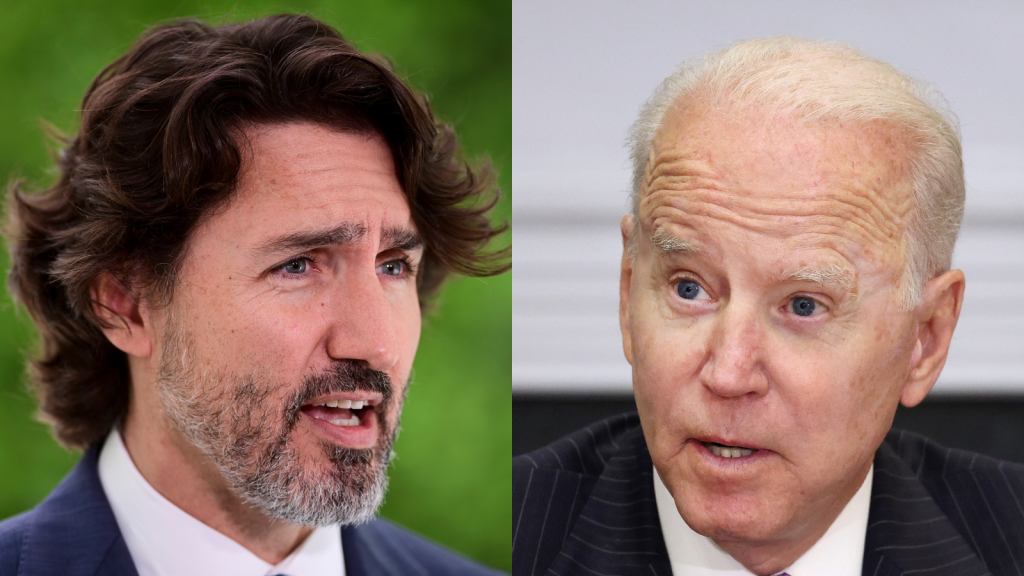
73	532
585	505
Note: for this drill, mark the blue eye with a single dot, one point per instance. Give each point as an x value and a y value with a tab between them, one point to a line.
688	289
393	268
803	306
295	266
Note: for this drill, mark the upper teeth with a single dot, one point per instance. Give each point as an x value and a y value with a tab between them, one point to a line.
353	404
728	451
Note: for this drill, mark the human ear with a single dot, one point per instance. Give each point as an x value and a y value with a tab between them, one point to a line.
936	316
625	278
125	322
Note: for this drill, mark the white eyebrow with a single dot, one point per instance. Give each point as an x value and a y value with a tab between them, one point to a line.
827	274
669	243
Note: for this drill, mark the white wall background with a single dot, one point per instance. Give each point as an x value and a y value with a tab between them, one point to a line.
581	70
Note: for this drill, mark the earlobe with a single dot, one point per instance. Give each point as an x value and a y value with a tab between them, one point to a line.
937	315
126	322
625	280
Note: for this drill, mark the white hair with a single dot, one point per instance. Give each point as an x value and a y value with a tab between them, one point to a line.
826	82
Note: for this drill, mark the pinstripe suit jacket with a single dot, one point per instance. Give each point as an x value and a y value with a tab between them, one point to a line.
585	505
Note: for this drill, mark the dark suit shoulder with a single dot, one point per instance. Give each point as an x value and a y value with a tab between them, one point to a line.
587	450
72	532
12	538
982	496
927	457
382	547
585	503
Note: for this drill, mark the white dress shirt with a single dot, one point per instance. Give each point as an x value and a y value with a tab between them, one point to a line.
840	552
166	541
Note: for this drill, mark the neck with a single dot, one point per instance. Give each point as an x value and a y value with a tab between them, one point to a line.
186	477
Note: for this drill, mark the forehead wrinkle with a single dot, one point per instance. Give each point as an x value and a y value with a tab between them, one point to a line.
827	232
678	174
861	168
672	169
779	215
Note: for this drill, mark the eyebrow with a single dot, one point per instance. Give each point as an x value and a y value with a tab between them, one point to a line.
392	238
400	239
345	233
670	244
827	274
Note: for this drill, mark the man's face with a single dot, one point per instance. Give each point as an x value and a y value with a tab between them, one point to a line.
761	313
296	305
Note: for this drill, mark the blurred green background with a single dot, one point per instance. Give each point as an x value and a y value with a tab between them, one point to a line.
452	478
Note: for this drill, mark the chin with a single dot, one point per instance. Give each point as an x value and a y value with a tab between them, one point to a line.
745	518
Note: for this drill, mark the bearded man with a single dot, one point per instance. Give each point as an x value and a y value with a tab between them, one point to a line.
228	279
786	282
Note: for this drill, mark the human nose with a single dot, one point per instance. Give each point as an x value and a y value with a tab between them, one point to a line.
735	365
362	326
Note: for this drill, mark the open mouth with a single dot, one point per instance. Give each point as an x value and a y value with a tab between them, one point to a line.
723	451
343	413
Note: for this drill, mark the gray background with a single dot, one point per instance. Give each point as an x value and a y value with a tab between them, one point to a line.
581	70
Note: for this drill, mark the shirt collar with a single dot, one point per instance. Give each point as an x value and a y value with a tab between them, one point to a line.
839	552
164	540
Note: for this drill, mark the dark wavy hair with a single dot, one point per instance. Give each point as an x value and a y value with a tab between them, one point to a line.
157	150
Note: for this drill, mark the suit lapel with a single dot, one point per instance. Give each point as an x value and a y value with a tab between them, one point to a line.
907	531
357	561
370	552
617	531
74	532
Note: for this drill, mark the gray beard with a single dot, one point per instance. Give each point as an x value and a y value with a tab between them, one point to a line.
232	421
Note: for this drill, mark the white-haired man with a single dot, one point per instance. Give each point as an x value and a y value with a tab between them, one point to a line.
785	284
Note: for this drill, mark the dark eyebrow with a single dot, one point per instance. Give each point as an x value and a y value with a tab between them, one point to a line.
345	233
400	239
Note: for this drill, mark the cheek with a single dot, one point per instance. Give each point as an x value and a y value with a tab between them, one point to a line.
408	323
281	341
242	334
882	387
845	397
668	355
668	350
